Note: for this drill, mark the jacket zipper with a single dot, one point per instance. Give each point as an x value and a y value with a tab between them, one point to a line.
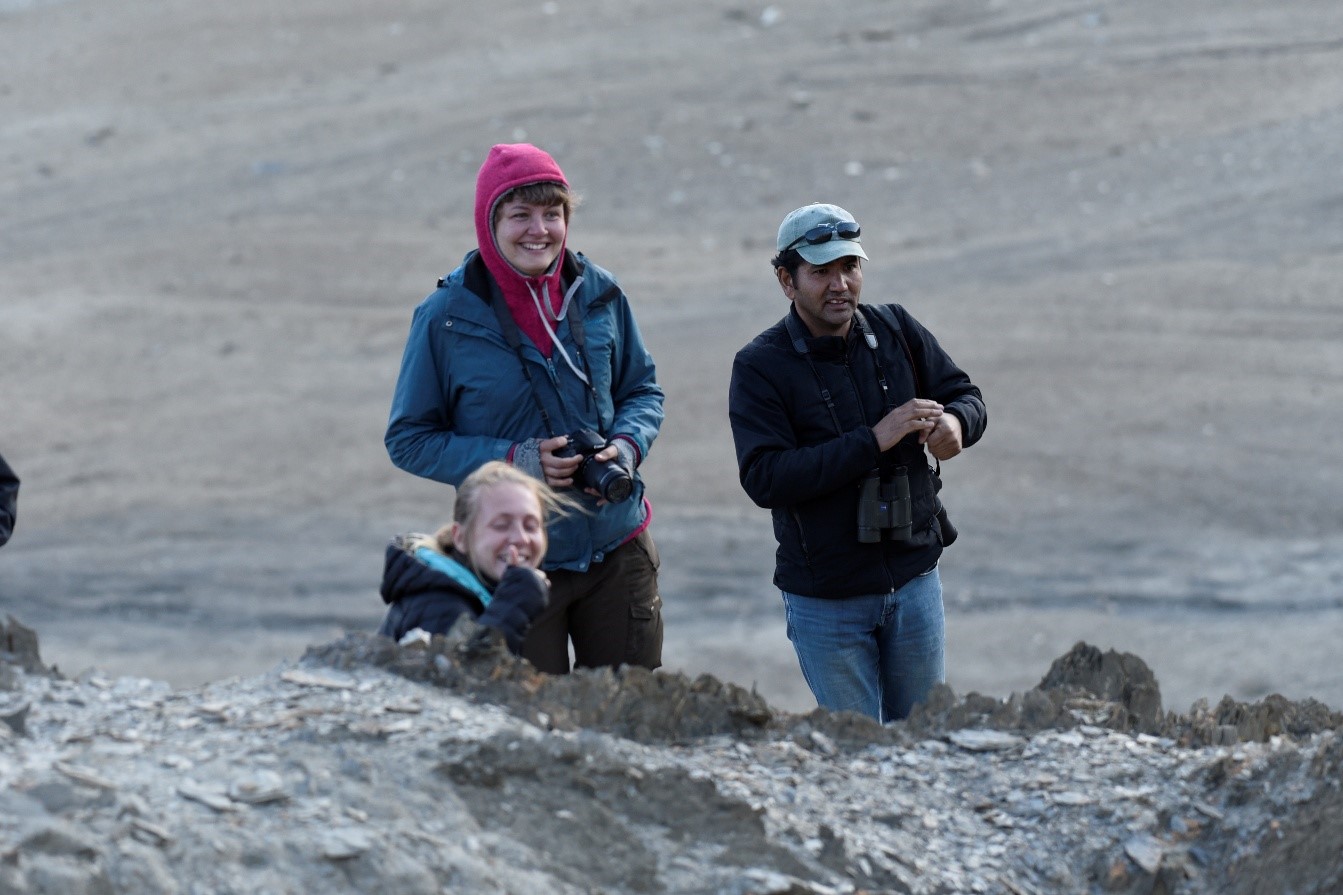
862	414
801	534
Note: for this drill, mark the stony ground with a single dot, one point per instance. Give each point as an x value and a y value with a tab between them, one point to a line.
368	767
1121	216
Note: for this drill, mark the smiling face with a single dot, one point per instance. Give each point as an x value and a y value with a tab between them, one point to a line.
825	295
506	527
530	236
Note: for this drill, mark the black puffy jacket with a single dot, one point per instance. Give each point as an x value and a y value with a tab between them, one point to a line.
9	500
420	596
795	460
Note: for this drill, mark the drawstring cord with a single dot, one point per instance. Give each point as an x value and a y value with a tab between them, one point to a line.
543	309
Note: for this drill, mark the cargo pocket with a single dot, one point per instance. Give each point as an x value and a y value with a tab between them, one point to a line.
644	644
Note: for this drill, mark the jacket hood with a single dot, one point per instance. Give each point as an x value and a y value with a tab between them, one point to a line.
410	569
507	167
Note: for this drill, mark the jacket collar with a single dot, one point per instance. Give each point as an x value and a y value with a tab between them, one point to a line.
476	276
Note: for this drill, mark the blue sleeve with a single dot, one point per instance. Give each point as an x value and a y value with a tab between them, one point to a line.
635	393
420	437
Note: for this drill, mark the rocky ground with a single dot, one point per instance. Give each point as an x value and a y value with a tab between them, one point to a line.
434	768
1120	216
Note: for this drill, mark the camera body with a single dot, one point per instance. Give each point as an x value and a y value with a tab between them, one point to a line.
884	507
607	477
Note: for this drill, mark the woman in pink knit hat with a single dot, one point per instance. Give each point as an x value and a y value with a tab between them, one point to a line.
528	353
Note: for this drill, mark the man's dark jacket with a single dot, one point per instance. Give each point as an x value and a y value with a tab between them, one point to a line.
794	460
9	498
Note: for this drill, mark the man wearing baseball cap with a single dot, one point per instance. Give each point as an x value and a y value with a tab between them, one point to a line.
835	410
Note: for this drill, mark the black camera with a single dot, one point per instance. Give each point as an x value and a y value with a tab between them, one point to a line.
884	508
607	477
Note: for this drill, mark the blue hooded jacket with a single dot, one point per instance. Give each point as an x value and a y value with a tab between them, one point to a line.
462	397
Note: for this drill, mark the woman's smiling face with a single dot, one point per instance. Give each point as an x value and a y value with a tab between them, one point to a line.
508	529
530	236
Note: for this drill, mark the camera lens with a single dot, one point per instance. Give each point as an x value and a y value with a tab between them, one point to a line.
615	485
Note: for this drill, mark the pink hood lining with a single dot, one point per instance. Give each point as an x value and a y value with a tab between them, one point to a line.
507	167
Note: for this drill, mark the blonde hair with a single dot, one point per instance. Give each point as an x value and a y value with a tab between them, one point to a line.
466	508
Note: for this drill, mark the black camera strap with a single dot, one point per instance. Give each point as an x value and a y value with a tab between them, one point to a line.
513	336
799	340
913	369
870	338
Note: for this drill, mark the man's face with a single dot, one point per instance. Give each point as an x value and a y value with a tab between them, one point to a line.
825	295
530	236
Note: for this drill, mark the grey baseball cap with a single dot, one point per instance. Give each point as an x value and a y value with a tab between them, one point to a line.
821	233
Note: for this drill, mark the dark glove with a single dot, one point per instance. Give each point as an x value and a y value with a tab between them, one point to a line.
520	597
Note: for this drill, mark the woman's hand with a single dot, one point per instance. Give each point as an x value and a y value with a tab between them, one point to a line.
513	559
559	471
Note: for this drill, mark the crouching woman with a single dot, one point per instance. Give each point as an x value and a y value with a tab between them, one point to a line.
485	563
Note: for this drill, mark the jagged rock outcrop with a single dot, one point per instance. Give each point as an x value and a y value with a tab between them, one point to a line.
446	767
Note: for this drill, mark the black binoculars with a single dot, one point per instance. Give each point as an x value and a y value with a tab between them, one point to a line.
884	508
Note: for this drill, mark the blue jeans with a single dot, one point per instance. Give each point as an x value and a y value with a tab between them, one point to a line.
877	654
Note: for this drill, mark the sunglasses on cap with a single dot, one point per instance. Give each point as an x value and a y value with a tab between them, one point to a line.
826	232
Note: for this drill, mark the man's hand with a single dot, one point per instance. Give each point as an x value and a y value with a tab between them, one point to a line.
915	415
944	441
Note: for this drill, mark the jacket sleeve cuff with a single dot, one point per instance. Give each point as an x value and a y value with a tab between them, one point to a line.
526	456
629	451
